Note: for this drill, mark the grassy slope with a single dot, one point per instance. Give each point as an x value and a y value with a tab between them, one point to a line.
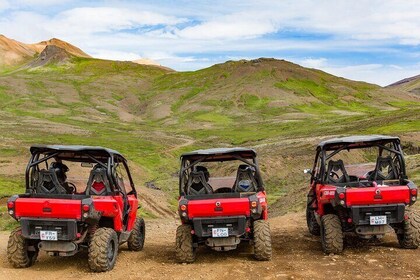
147	113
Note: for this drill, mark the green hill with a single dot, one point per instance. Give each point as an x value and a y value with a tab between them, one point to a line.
152	114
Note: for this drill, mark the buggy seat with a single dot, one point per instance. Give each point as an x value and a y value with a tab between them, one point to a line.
197	184
335	167
98	183
384	163
245	180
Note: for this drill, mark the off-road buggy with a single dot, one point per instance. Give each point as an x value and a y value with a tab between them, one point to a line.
221	210
76	198
359	186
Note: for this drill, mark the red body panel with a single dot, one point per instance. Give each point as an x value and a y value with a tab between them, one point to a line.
48	208
376	195
387	195
325	193
134	203
228	207
262	199
109	206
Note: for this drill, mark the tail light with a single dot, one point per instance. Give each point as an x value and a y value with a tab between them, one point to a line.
85	209
340	196
183	208
254	206
11	204
413	192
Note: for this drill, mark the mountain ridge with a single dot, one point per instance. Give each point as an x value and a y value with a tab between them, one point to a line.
40	46
410	84
15	53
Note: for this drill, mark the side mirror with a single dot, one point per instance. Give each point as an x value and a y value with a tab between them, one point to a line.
307	171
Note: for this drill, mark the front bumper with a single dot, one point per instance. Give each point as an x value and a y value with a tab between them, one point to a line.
236	225
361	214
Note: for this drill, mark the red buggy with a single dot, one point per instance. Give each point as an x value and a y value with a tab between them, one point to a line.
77	197
221	210
349	193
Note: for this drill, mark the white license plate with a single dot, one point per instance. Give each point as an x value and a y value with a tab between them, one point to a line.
48	235
378	220
219	232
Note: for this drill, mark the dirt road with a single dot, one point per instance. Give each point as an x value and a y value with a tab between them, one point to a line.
296	255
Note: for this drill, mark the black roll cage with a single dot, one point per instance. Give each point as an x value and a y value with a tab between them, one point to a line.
186	165
110	165
322	153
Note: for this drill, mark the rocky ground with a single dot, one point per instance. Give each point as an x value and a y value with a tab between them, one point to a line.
296	255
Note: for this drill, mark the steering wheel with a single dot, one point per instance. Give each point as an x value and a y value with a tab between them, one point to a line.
223	190
333	174
72	187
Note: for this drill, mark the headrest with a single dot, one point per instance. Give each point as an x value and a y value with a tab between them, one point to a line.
245	167
203	170
384	161
336	165
59	165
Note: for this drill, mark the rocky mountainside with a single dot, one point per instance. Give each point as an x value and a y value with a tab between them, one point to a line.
73	50
14	53
411	84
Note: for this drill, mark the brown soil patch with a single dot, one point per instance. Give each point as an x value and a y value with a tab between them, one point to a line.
296	255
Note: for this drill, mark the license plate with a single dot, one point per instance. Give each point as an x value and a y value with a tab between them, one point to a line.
378	220
219	232
48	235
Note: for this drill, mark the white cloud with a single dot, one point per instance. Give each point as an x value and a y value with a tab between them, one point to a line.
313	62
234	26
114	55
40	2
194	34
90	20
27	27
4	5
380	74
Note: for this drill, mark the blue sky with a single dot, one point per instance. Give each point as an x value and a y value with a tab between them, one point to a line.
373	41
